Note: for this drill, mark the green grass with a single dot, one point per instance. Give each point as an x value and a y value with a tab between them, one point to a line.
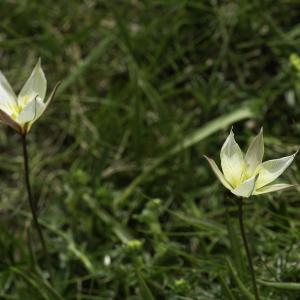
116	161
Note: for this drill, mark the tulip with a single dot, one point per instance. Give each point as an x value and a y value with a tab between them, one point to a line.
22	111
246	175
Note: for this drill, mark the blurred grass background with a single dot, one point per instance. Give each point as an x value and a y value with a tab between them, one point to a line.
129	207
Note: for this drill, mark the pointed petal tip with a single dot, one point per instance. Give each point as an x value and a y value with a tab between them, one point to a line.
51	96
39	67
294	154
255	152
272	169
217	172
207	158
292	186
231	133
274	188
59	83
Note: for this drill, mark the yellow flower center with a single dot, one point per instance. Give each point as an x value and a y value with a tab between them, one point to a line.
246	174
18	107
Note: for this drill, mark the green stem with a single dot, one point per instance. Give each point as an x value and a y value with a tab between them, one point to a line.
32	203
241	221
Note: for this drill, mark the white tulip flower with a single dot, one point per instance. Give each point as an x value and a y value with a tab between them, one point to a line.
246	175
22	111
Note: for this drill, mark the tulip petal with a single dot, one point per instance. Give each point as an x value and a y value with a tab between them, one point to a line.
45	105
6	119
246	188
30	111
255	153
8	98
272	169
272	188
218	172
51	96
36	85
232	161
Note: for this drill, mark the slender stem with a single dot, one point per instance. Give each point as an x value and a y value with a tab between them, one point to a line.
241	221
32	203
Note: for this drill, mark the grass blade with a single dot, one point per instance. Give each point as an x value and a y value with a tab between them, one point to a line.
292	286
31	282
83	65
236	249
226	288
239	283
146	293
193	138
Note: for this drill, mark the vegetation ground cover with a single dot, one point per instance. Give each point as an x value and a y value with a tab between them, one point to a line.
129	207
